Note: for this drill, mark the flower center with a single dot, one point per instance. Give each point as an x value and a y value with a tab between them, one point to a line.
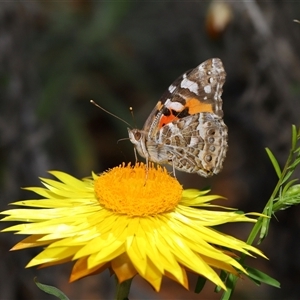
138	190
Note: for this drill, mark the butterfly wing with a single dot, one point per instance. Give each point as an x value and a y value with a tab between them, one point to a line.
186	129
194	144
198	90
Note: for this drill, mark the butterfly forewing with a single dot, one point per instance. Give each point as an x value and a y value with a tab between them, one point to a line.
186	129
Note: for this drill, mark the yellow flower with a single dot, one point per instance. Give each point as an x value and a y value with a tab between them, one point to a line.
132	220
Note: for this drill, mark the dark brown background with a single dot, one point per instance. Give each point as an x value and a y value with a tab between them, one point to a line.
55	57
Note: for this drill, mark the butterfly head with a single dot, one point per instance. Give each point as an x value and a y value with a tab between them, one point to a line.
137	138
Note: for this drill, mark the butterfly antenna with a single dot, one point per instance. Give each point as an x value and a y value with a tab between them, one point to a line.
132	114
96	104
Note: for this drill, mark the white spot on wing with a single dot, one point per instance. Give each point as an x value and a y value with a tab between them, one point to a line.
174	105
172	88
207	89
190	85
194	141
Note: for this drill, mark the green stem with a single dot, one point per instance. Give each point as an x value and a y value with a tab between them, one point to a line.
122	289
268	210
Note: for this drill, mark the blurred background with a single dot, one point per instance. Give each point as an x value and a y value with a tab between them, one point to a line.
56	56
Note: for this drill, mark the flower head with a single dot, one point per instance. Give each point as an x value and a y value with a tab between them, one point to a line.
132	220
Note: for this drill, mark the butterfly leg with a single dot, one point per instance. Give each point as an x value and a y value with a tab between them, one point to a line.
147	164
173	165
135	155
147	169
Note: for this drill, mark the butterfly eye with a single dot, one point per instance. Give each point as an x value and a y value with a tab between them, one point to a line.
137	135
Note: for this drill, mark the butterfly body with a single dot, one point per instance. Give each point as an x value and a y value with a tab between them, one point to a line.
186	127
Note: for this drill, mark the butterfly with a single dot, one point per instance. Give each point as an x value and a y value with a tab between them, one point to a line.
186	128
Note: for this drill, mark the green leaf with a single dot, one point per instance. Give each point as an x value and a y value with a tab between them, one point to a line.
230	284
294	136
257	282
262	277
274	162
295	163
287	186
200	284
223	276
52	290
293	191
264	229
287	176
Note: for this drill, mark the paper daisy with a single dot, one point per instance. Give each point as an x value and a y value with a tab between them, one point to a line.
132	220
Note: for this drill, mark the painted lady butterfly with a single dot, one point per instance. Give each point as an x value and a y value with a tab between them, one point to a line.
186	129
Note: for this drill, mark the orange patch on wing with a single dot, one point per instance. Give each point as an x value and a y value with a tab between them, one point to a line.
195	106
166	120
